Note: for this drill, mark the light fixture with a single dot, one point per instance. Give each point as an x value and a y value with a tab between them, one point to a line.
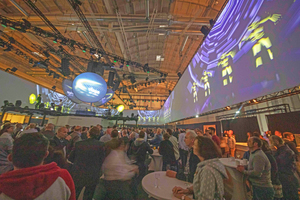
55	40
237	112
120	108
84	49
197	116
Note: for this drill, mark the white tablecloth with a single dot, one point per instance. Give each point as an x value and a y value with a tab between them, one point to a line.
156	163
165	183
239	181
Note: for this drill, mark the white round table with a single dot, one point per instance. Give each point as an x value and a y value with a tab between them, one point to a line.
239	181
165	183
156	163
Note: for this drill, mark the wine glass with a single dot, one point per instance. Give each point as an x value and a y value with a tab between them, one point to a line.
157	176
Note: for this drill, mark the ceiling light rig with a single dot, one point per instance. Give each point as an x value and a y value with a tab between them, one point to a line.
26	26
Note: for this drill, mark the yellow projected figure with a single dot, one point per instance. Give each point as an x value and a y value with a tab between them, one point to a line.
204	79
194	89
227	69
144	118
258	34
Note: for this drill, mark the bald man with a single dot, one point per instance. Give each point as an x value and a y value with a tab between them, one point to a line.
59	141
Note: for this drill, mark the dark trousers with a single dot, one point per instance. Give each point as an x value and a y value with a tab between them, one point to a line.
290	186
88	192
183	156
263	193
121	190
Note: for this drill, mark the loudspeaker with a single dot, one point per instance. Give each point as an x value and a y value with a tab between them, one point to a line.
116	85
95	67
110	81
205	30
65	70
90	67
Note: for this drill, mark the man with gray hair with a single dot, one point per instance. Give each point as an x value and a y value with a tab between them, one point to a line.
187	174
49	131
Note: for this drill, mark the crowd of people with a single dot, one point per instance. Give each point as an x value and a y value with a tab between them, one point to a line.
41	163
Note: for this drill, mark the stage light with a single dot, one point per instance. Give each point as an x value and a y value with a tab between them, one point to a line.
237	112
211	22
127	63
55	40
161	74
197	116
14	69
147	78
179	74
13	27
115	60
205	30
84	49
8	48
148	83
145	84
120	108
54	88
92	51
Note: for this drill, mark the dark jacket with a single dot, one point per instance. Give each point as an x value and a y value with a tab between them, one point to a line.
58	144
138	150
194	160
48	134
87	158
167	151
274	168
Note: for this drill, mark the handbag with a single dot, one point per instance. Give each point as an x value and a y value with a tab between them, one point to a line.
278	191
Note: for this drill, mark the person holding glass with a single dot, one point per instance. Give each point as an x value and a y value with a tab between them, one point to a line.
208	180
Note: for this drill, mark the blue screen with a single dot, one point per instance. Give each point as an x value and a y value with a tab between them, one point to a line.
67	85
89	87
252	50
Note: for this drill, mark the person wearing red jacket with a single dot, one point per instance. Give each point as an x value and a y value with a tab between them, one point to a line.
30	179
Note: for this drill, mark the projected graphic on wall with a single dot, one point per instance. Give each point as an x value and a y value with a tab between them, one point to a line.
252	50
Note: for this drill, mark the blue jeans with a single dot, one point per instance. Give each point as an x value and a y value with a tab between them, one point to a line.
263	193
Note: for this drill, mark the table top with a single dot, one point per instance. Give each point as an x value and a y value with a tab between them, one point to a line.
165	183
229	163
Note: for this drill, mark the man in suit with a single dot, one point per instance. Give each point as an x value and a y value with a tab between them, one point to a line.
60	140
87	158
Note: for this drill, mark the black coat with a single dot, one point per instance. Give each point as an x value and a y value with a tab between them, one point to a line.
167	151
87	158
58	144
194	160
139	150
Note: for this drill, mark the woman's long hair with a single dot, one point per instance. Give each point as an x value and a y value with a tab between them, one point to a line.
208	148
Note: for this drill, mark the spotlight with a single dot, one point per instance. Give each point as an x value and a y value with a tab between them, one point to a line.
148	83
54	88
197	116
84	49
132	79
179	74
127	63
147	78
211	22
92	51
46	54
8	48
55	40
237	112
14	69
115	60
205	30
161	74
120	108
30	61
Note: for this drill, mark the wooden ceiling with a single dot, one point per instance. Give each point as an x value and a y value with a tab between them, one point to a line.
129	29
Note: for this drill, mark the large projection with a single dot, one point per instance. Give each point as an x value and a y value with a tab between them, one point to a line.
252	50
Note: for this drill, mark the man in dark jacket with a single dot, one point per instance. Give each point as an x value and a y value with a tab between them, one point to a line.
167	151
87	159
191	160
137	151
59	141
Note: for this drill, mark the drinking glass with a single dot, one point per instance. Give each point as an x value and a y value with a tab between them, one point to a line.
157	175
186	174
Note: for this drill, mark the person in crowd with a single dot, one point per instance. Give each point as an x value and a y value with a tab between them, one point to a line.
100	127
137	152
157	138
231	143
174	141
285	159
115	127
68	127
259	171
18	129
106	137
87	159
167	151
38	101
75	136
109	145
289	140
214	137
72	130
278	133
191	160
224	147
30	178
274	170
183	148
209	175
60	142
58	157
207	134
84	132
49	131
119	174
31	129
176	133
6	145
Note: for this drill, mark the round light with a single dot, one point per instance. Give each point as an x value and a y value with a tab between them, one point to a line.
120	108
237	112
197	116
89	87
32	98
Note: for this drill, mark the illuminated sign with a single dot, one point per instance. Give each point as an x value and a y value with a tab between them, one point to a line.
109	94
89	87
67	88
